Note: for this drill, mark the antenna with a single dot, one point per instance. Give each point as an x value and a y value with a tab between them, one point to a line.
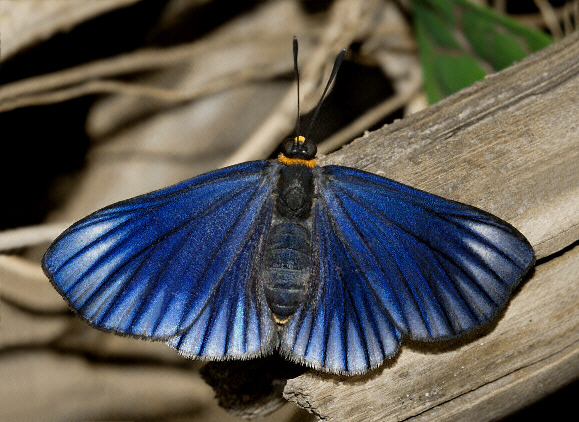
297	76
337	64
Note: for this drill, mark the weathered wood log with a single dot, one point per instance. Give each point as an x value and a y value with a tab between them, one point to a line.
510	145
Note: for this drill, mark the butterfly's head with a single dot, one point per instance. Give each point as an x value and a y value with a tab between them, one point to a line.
298	150
299	147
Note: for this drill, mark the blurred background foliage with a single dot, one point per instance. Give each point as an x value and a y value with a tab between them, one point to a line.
460	42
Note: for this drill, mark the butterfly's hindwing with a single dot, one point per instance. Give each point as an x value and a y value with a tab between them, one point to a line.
235	320
342	326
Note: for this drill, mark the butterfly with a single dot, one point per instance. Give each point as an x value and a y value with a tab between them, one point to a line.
331	267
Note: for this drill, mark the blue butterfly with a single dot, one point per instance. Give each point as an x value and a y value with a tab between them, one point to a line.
331	267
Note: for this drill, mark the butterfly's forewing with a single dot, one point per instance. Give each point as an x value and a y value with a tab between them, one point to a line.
156	265
406	262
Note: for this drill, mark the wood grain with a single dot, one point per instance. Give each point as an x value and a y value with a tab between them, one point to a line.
510	145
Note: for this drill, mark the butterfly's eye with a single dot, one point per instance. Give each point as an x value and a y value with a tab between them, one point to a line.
287	147
310	149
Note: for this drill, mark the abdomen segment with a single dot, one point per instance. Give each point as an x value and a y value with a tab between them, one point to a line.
286	267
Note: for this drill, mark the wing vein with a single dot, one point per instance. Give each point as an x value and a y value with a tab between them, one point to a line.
424	242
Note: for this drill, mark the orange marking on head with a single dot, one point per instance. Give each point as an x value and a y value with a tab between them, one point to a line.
297	161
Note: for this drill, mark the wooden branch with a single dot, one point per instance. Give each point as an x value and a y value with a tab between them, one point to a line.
510	145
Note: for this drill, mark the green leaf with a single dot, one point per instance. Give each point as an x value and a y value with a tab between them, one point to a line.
460	43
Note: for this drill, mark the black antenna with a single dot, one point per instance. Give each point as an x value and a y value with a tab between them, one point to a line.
337	64
297	75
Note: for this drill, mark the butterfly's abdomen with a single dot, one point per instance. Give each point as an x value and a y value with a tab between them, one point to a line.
286	267
287	261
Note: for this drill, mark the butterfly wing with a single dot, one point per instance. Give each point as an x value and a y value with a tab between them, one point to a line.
396	261
178	259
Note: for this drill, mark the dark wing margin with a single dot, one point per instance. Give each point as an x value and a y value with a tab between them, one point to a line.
176	263
398	261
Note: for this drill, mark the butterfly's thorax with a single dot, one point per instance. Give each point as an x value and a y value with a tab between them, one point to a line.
286	264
